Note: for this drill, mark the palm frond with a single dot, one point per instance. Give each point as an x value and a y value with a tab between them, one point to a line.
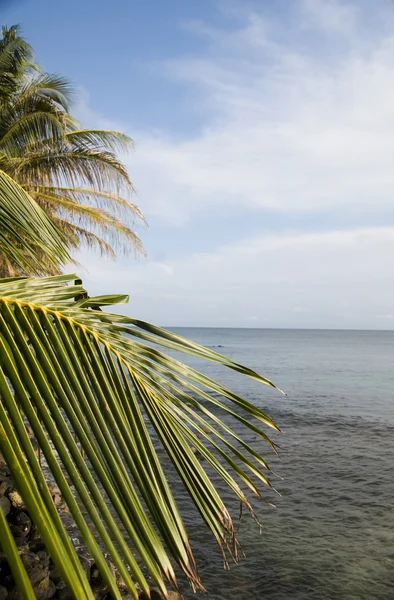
87	381
114	141
26	130
48	86
99	198
79	236
57	164
25	229
91	216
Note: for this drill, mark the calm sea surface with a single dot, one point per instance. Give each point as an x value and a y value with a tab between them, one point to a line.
332	533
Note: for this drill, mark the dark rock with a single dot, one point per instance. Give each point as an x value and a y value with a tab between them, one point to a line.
99	586
64	594
154	595
18	535
3	560
3	593
51	589
16	500
5	505
40	581
44	558
100	591
5	486
55	576
4	475
30	560
36	544
23	521
86	564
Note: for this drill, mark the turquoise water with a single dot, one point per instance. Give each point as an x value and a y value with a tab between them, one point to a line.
332	533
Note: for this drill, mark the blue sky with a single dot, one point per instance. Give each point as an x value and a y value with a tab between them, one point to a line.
264	138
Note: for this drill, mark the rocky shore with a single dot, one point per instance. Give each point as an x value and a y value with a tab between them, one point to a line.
45	578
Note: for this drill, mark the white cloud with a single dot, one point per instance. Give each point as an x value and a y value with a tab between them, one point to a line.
288	128
294	127
330	15
333	279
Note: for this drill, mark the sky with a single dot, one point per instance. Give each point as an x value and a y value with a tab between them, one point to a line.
264	151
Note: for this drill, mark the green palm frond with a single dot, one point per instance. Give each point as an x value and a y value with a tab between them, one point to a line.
100	198
25	231
114	141
59	163
92	384
44	148
78	236
24	131
47	86
91	216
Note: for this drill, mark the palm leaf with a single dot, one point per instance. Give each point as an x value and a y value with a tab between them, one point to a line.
57	164
25	228
114	141
47	86
100	198
91	216
25	131
87	381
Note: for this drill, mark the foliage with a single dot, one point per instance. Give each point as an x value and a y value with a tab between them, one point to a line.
74	174
93	386
27	235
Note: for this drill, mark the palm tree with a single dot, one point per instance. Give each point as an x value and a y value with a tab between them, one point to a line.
93	386
72	173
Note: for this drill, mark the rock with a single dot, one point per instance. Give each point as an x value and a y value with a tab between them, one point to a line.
64	594
30	560
43	557
18	535
36	544
3	593
57	499
154	595
23	521
5	505
16	500
99	586
3	561
54	489
5	486
51	589
174	596
86	564
55	576
39	578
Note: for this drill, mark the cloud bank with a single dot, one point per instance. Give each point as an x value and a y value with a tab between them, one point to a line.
298	123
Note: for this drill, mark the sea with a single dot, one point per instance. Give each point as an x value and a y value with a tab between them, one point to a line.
331	534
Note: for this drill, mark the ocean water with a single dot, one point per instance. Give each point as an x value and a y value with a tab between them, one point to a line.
331	534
